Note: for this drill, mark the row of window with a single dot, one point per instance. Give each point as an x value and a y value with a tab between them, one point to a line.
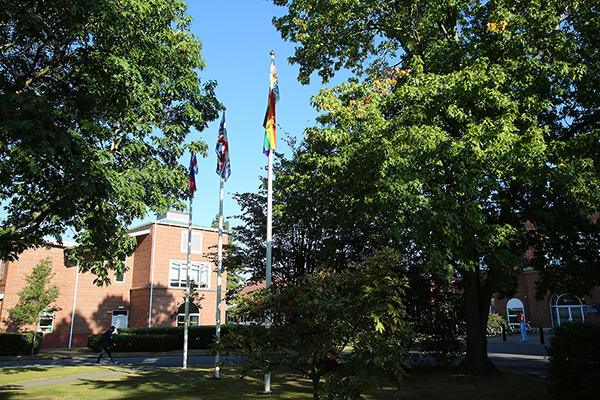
198	275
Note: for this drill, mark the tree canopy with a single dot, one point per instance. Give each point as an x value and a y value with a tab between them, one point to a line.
96	103
472	138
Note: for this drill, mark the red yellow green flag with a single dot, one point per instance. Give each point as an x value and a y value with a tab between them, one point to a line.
269	123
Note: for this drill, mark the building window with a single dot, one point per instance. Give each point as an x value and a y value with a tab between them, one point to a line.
120	278
194	311
566	308
2	266
196	242
46	321
514	307
198	274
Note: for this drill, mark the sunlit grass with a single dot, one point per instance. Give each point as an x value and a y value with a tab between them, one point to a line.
197	383
14	375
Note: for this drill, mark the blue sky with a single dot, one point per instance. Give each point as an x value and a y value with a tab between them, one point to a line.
237	36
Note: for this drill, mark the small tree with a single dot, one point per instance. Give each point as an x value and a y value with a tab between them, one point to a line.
34	298
316	322
195	298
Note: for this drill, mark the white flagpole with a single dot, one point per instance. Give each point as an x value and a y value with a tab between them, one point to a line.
219	270
187	289
269	247
269	242
74	303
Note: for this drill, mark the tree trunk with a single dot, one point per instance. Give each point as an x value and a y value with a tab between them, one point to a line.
315	384
477	303
33	342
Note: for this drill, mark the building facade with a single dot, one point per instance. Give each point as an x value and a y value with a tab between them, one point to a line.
150	294
551	311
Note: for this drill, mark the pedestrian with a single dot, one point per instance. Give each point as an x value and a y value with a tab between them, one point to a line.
108	344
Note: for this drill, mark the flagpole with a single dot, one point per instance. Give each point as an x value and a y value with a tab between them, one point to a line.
187	288
269	244
219	270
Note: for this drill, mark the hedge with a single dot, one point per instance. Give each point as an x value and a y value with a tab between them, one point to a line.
159	339
574	369
19	343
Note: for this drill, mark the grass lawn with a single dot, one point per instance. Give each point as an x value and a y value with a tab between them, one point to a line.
14	375
197	383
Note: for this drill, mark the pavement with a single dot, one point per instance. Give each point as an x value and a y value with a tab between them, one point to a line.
511	355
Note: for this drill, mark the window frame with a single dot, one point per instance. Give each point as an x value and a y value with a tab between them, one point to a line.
180	320
516	304
123	277
49	315
197	239
181	281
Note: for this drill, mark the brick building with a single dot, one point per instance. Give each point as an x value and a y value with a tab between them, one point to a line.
552	311
147	295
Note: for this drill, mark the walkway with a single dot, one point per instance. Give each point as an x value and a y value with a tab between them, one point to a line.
510	355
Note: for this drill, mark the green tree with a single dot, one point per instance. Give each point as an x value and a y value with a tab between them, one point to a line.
96	102
235	276
473	137
34	298
316	319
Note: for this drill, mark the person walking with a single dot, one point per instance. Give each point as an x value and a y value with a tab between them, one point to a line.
108	344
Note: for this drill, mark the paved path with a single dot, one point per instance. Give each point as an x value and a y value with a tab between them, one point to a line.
66	379
510	355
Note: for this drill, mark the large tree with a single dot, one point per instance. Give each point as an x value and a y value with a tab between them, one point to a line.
473	137
96	103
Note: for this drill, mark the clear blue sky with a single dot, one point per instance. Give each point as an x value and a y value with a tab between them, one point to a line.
237	36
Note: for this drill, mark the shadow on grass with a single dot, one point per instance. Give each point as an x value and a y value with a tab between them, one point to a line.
9	371
195	383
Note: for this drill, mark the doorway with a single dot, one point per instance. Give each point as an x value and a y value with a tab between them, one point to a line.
119	319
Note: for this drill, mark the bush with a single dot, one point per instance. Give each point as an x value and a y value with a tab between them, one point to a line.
495	324
159	339
19	343
574	370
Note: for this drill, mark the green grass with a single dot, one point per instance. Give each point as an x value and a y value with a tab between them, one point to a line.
197	383
13	375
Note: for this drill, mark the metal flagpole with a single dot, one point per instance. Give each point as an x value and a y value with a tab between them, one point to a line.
219	270
269	222
269	247
187	289
74	303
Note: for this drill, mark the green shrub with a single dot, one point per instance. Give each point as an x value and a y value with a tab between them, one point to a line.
159	339
495	324
19	343
574	369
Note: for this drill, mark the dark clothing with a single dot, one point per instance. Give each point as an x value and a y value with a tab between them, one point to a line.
107	344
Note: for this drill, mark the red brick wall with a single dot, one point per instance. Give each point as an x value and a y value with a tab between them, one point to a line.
94	305
537	312
167	300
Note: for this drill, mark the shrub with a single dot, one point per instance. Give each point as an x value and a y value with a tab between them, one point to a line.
19	343
159	339
495	324
574	370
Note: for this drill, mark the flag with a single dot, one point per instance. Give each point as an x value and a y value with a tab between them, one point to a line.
193	172
222	149
269	123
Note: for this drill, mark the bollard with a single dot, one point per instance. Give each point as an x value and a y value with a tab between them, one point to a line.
503	334
541	335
